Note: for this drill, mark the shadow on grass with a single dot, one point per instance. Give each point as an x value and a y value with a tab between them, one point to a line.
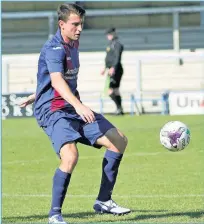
85	215
192	215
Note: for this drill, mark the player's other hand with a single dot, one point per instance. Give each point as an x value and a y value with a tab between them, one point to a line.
85	113
29	100
111	71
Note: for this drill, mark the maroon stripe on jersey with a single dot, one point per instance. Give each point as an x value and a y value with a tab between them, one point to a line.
76	44
68	58
58	102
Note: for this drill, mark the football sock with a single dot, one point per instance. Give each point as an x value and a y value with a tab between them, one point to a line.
60	184
110	165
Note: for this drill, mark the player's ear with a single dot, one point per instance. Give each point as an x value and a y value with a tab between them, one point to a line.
61	24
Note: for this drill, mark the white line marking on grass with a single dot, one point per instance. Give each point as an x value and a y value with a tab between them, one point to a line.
126	155
24	161
99	156
118	196
81	158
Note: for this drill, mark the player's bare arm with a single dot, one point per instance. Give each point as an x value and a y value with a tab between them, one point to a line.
65	92
29	100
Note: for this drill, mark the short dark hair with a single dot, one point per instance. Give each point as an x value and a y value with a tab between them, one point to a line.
110	30
64	11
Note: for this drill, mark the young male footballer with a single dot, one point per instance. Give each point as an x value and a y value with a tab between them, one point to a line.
67	121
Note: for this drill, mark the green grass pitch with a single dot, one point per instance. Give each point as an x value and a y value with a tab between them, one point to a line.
159	186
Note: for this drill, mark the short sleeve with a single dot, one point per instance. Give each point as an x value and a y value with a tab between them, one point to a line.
54	58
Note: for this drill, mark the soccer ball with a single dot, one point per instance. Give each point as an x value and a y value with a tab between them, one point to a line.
174	136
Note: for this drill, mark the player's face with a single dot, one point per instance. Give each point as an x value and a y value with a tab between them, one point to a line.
72	29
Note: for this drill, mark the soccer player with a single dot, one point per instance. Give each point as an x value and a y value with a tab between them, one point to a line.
115	69
67	121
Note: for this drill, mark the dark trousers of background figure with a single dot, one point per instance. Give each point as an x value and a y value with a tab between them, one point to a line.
114	85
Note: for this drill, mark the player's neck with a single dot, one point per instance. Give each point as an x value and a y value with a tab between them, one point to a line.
65	38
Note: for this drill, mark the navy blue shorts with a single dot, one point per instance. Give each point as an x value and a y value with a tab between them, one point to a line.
64	127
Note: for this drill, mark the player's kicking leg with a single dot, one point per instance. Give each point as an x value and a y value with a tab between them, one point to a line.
111	207
116	143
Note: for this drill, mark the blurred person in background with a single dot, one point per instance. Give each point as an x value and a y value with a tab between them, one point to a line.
67	121
114	66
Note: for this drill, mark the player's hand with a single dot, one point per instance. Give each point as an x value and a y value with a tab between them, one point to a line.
29	100
103	71
85	113
111	71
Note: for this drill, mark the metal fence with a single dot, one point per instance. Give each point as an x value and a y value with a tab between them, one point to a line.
175	11
146	79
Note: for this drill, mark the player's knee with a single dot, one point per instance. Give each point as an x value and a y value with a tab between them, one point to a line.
118	139
69	157
123	140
